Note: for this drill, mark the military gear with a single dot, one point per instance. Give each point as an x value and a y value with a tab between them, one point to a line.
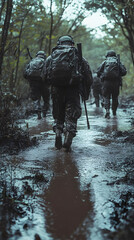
63	76
111	83
58	139
64	39
68	140
111	53
97	89
66	108
107	114
114	112
41	53
63	70
36	68
111	69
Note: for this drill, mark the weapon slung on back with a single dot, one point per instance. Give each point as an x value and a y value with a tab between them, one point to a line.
29	53
118	59
79	47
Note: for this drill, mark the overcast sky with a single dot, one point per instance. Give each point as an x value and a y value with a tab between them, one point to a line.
95	20
92	21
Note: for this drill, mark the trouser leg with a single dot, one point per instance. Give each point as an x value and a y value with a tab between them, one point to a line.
46	99
72	113
115	94
106	98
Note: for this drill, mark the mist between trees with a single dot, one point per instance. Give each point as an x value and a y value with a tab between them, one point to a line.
38	24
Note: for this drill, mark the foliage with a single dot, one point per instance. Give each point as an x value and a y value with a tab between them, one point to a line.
118	12
38	27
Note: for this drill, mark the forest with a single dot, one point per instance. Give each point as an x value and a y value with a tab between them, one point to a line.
86	193
38	24
28	26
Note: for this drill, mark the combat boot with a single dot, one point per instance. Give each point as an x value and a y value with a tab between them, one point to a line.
39	114
107	115
114	112
58	139
68	140
44	114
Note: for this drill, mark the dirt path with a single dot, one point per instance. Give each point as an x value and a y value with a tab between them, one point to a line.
85	194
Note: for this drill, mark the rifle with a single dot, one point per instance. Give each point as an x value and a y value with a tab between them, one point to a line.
29	53
79	47
118	59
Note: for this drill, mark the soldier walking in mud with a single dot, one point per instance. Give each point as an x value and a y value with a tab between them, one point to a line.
66	86
97	89
111	72
35	73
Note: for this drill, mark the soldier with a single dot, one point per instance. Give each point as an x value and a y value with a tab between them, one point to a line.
111	72
35	73
64	77
97	89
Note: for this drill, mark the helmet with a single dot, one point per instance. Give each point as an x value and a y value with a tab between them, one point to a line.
111	53
66	38
41	53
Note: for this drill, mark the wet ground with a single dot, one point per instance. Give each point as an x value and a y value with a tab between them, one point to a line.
84	194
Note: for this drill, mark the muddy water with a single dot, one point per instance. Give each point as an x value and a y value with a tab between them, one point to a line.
84	194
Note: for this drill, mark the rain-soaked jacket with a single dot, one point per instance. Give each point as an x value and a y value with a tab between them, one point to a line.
66	100
100	71
110	87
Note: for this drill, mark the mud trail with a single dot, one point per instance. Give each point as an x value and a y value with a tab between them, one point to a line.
84	194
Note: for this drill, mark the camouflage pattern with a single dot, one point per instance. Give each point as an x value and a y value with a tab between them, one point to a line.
40	89
97	89
66	100
110	87
66	108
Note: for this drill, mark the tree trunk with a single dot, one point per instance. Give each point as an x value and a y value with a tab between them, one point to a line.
4	37
2	7
19	44
51	27
5	31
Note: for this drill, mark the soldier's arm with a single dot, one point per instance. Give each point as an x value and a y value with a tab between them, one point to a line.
86	70
48	69
100	69
123	70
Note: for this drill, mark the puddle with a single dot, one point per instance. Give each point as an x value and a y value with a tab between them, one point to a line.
84	194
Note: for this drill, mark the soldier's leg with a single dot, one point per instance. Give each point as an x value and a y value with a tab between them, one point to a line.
96	96
36	96
115	95
72	113
46	99
58	112
106	98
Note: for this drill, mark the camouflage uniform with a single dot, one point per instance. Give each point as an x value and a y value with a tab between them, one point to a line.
39	88
110	88
67	108
97	89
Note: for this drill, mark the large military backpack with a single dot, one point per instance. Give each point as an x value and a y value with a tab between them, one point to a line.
63	70
111	69
35	69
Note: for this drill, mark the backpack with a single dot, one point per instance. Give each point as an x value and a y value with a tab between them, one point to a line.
35	69
63	70
111	68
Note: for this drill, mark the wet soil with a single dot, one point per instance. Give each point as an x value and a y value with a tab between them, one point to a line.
84	194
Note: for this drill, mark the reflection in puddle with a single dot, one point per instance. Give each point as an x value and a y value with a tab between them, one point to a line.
102	142
46	194
67	207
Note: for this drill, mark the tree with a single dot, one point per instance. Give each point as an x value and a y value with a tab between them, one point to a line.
5	30
119	12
